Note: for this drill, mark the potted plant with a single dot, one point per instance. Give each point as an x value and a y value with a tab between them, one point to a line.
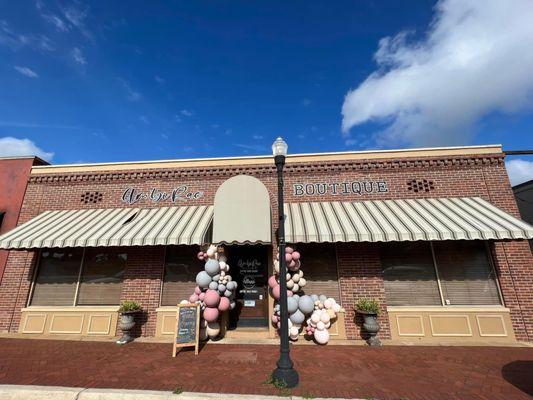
127	311
369	309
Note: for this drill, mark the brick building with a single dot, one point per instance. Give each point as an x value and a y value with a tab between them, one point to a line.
433	234
14	173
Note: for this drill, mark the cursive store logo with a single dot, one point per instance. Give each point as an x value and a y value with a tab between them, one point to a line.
179	194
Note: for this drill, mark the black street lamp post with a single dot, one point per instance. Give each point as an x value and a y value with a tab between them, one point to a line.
284	373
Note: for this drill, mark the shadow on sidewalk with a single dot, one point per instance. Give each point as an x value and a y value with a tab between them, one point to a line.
519	374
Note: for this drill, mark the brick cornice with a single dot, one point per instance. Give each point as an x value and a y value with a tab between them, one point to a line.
329	166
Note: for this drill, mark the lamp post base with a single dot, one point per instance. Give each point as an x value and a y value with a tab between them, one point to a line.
287	376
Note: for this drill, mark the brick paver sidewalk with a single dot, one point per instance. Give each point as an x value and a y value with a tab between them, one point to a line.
333	371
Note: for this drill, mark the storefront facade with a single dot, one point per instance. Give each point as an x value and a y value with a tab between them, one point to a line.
433	234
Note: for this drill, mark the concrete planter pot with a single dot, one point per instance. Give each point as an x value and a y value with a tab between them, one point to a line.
371	326
126	324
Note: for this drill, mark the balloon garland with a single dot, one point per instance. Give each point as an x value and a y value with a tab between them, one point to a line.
215	291
317	311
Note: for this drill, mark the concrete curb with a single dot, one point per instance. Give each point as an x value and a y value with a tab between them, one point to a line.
27	392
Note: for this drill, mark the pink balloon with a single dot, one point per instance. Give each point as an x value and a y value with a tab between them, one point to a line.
193	298
289	250
201	296
295	255
212	298
197	290
292	264
224	304
211	314
276	292
290	293
275	319
200	255
288	257
272	281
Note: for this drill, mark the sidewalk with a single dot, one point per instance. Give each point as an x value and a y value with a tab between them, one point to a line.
15	392
390	372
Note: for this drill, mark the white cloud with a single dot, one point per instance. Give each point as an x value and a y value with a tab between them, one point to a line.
57	22
306	102
78	56
475	59
132	94
159	80
12	147
144	119
76	14
15	40
26	72
350	142
519	170
187	113
257	137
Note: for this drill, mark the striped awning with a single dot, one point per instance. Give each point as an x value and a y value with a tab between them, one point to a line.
467	218
112	227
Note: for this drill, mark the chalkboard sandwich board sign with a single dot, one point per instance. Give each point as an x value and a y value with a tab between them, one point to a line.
187	327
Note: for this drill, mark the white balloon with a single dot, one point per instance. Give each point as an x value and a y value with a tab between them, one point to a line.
302	282
295	287
320	326
290	285
295	278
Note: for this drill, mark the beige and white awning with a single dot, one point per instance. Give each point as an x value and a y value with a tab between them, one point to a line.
112	227
467	218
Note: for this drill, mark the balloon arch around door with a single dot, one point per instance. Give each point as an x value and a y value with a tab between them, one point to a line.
216	294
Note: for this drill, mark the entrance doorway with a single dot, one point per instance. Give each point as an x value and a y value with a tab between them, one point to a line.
249	268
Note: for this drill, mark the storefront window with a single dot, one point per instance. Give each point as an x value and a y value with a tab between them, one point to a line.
181	268
409	274
466	275
101	277
96	277
319	263
57	277
457	273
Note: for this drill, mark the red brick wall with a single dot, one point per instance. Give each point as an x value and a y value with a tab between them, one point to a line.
14	175
359	269
360	276
142	283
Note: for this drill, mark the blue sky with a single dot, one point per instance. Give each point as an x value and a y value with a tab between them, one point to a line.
101	81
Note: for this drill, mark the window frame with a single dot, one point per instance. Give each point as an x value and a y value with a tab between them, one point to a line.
78	283
443	304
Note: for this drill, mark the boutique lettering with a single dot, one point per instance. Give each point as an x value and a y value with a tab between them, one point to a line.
180	193
359	188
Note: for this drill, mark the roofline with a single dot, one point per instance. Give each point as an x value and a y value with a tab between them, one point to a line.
262	159
36	158
523	184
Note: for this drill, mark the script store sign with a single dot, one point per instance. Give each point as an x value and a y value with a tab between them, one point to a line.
178	194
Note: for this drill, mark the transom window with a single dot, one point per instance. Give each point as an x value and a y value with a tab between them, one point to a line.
440	273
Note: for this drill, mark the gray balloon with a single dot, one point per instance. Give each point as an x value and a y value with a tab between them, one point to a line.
231	285
212	267
298	317
203	279
314	297
221	288
213	285
232	305
277	308
216	278
322	298
292	304
296	296
228	293
306	304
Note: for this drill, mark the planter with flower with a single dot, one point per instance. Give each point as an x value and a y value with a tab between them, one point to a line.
369	309
128	309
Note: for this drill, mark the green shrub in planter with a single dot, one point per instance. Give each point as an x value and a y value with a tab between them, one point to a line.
370	306
129	306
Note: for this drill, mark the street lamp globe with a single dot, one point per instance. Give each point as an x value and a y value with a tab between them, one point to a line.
279	147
